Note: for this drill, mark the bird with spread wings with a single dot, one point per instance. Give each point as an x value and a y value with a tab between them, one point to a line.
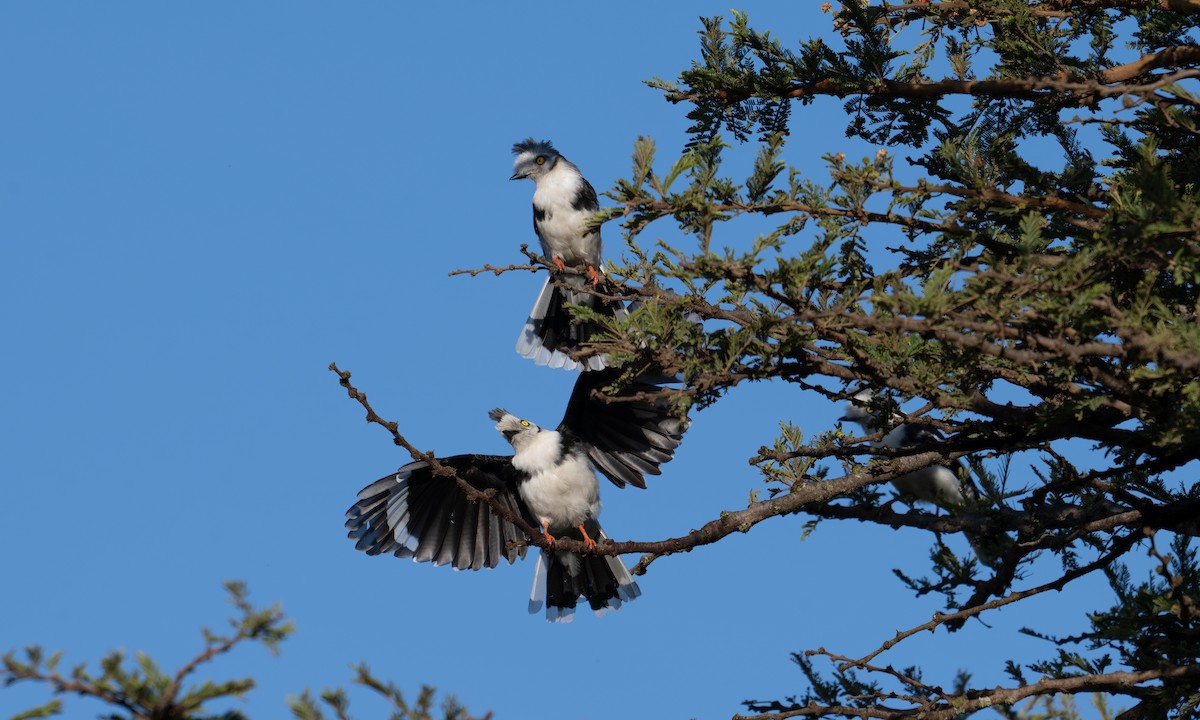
550	481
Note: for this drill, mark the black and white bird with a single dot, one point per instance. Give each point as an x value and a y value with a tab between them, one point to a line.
938	484
948	487
563	204
549	481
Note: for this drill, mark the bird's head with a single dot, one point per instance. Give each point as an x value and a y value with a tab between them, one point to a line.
514	429
534	158
858	410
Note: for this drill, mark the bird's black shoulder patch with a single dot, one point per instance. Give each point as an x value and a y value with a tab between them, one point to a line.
585	197
538	216
571	443
919	435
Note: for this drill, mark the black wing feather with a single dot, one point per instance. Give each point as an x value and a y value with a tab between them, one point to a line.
414	513
915	435
585	198
625	440
442	538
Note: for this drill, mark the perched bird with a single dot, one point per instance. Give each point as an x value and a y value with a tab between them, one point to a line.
563	204
549	481
943	486
946	487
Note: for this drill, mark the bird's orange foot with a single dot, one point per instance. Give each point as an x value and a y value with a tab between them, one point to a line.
558	263
546	534
595	276
588	543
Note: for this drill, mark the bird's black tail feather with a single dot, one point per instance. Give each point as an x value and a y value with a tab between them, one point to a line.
563	578
550	331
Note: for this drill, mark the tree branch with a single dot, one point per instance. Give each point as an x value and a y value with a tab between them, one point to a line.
473	495
1083	92
1120	546
1116	683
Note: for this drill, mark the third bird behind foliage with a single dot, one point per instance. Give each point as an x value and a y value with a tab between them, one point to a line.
946	486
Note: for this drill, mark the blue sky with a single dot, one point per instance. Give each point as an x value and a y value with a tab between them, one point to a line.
203	205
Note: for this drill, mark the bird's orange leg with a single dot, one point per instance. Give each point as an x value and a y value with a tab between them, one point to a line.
595	276
587	541
558	263
546	532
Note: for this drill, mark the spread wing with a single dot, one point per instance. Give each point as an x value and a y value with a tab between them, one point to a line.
625	440
414	513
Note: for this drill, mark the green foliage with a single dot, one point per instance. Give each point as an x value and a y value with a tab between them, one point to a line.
1037	282
54	707
305	707
845	685
140	690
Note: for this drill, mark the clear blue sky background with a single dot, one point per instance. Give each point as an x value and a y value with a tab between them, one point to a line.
202	205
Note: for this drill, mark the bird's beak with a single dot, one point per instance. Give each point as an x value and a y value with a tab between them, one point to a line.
518	176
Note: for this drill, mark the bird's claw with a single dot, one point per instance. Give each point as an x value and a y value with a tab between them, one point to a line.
558	263
588	542
593	275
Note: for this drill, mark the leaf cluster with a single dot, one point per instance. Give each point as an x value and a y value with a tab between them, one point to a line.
1037	284
141	690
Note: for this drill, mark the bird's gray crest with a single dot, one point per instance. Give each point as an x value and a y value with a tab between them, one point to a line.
534	159
534	147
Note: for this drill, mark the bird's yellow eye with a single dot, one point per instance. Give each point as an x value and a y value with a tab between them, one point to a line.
541	160
524	423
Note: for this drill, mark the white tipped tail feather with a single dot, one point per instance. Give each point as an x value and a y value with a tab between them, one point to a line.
561	579
549	330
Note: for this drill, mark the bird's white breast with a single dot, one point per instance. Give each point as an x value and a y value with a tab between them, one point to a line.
563	230
937	484
562	490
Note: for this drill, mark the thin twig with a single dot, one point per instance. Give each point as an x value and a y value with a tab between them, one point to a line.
472	494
